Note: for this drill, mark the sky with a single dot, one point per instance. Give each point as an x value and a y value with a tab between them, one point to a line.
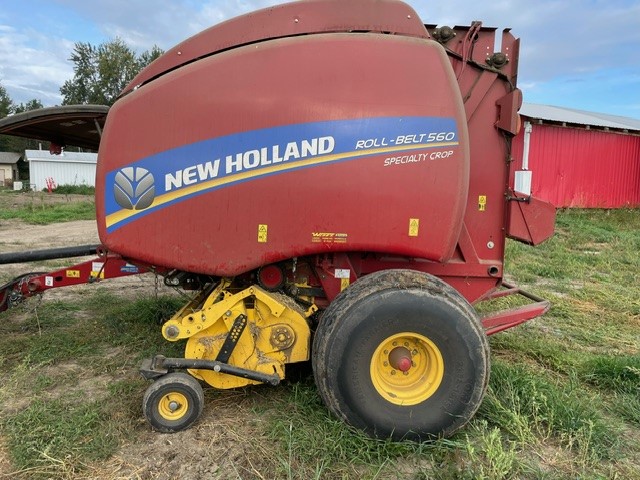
582	54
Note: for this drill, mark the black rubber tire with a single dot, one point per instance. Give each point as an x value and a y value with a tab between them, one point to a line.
387	303
173	383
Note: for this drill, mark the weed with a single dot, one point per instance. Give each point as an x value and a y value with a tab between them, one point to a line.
74	189
490	456
619	374
528	405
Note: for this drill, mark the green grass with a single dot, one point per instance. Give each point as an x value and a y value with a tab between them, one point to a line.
50	436
563	398
528	405
334	449
67	421
41	208
620	373
44	213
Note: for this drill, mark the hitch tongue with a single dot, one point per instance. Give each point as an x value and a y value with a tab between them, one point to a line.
11	293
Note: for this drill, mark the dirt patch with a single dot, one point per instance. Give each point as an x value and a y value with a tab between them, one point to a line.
223	444
5	464
15	199
15	235
88	385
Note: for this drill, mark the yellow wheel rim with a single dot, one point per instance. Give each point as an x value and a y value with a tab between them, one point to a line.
173	406
407	368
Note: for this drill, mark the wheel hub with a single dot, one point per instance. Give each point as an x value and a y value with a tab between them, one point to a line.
406	368
173	406
400	359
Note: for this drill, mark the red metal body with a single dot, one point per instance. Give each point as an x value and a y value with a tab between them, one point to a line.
331	138
376	159
579	167
413	170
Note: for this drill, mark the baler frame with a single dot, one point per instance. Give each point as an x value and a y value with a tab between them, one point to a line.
111	265
396	299
105	266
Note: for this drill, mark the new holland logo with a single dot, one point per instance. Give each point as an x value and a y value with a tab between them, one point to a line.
134	188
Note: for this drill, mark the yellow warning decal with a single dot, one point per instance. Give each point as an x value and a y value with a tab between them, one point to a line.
97	269
482	203
73	273
414	226
262	233
344	274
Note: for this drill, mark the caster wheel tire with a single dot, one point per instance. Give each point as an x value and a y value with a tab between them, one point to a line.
173	402
402	355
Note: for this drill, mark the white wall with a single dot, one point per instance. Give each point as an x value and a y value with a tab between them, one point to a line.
65	169
6	173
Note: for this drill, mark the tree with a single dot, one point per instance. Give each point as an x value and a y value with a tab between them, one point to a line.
30	105
7	107
6	104
101	73
19	144
149	56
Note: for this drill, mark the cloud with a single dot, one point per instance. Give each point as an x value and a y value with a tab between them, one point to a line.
33	65
613	91
557	37
144	23
562	41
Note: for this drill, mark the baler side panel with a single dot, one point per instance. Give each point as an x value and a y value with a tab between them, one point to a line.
392	178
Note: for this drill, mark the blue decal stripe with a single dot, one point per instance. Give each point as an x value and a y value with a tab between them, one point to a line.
123	216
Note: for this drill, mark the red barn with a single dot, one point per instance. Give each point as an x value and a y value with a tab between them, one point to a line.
578	158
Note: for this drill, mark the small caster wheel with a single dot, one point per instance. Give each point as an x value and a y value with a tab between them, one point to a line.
173	402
